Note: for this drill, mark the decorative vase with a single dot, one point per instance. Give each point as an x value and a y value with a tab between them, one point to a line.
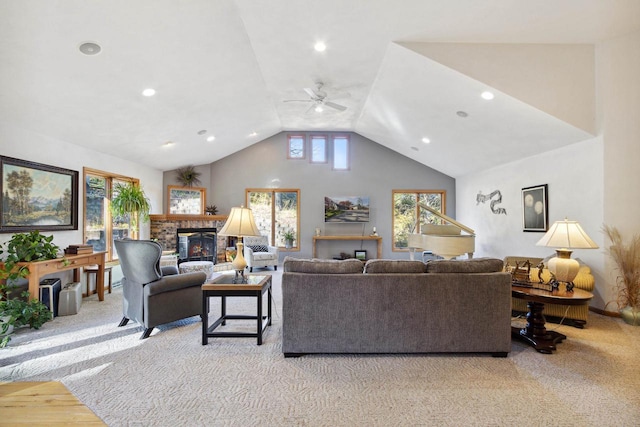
631	315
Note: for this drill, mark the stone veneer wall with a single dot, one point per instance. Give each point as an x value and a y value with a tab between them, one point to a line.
164	228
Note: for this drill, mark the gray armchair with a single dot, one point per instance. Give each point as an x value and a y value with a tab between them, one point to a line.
154	296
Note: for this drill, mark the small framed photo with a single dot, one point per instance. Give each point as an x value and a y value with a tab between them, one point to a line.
360	254
535	209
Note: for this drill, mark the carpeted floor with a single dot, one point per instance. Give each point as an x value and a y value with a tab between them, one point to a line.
170	379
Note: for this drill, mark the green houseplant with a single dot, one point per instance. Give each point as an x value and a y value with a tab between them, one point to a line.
19	311
289	236
130	200
627	260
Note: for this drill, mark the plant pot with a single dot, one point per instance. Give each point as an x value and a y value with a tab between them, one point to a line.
631	315
288	244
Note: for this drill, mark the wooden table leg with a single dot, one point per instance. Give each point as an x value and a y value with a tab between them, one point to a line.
535	333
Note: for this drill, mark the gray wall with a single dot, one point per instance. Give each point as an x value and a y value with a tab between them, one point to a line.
375	171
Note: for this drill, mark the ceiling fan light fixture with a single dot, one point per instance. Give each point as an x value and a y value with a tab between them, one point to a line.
320	46
319	108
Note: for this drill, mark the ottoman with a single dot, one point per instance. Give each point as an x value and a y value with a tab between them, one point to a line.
191	266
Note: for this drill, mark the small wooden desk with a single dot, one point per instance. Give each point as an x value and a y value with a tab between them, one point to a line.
378	239
37	269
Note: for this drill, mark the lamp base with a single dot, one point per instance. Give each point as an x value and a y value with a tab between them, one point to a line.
563	268
239	264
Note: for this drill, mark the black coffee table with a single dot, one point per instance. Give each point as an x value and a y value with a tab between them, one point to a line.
222	286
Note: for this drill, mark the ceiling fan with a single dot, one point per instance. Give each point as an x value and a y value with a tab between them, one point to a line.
318	98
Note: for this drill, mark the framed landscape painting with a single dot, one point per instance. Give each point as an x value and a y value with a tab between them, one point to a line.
535	209
37	197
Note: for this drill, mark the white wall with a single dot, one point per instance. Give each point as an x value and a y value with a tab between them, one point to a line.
26	145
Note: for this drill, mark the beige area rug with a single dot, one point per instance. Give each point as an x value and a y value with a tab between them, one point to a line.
170	379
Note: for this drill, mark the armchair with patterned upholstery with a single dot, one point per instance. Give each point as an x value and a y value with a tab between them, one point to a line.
152	295
575	315
258	253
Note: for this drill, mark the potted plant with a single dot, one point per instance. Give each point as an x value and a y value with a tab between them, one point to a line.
19	311
627	260
289	236
130	199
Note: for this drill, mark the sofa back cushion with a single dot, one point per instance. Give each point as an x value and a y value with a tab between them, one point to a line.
321	266
475	265
394	266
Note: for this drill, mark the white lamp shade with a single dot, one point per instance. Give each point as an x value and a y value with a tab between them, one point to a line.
240	223
567	234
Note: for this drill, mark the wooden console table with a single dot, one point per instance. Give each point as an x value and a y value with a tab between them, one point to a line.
37	269
378	240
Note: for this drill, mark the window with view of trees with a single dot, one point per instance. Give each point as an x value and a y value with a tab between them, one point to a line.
296	147
318	149
100	227
408	216
276	212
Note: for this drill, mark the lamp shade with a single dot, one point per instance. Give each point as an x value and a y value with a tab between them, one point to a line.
240	223
567	234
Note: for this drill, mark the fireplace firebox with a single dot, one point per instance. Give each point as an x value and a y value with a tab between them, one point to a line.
196	244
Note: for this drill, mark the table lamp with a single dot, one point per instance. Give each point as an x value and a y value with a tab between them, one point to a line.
564	236
240	223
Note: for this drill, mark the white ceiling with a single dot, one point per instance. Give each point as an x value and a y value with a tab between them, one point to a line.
227	66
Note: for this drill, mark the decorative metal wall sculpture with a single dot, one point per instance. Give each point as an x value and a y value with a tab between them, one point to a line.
482	198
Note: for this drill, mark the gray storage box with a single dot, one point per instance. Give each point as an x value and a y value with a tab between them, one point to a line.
70	299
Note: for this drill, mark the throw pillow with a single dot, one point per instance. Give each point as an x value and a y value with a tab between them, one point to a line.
259	248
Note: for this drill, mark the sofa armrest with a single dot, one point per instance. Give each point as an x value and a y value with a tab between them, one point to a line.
273	250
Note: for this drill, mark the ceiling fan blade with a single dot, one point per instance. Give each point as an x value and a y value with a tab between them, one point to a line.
311	93
334	105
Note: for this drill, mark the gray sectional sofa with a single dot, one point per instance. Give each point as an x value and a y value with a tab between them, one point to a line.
396	306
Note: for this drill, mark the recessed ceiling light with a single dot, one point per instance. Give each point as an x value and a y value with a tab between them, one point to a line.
211	138
202	132
90	48
149	92
320	46
462	114
168	144
426	140
487	95
253	134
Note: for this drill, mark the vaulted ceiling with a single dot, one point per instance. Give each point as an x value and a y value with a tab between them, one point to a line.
405	71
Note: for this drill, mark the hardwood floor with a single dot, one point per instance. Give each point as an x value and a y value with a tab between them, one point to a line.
43	404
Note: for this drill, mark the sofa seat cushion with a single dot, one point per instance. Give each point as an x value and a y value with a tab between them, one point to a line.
475	265
322	266
258	256
394	266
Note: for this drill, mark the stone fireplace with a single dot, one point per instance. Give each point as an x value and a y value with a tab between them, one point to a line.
164	228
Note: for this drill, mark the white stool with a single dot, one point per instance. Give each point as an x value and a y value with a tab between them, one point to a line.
191	266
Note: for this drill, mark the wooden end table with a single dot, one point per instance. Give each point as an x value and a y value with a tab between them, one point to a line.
535	332
222	286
